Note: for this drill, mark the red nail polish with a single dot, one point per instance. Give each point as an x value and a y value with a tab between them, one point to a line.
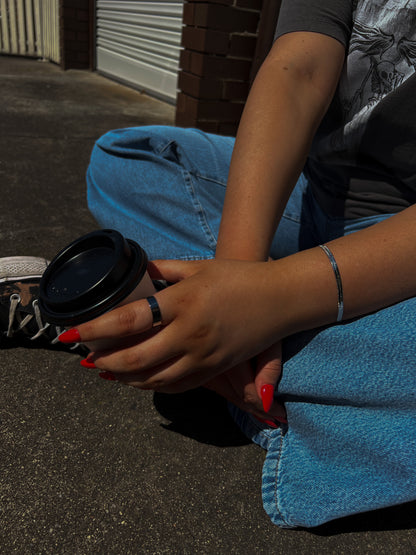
268	422
108	376
267	395
70	336
87	363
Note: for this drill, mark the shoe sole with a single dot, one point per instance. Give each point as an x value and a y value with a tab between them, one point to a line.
14	268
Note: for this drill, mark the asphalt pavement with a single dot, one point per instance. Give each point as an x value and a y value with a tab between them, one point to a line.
90	466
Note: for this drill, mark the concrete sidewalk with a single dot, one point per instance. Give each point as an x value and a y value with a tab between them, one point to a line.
89	466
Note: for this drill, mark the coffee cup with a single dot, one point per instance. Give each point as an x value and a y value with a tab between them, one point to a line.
93	275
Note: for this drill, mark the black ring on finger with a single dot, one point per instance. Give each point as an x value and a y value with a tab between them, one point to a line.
155	308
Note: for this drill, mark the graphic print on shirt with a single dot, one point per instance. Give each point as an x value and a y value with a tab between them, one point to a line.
383	44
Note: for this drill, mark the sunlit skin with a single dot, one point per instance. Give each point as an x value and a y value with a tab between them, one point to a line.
224	319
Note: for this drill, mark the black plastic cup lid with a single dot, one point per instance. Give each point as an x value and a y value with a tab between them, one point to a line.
89	277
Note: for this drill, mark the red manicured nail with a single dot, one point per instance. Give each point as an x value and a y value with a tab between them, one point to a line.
70	336
87	363
108	376
267	395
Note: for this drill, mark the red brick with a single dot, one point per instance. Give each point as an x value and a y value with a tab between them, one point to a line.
76	4
185	59
68	13
83	15
220	110
208	126
181	120
205	40
214	66
72	45
217	110
224	2
186	109
242	45
83	57
76	25
220	17
82	36
70	35
188	17
199	87
250	4
235	90
187	63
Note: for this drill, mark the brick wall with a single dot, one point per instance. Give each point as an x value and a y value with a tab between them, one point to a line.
220	56
76	27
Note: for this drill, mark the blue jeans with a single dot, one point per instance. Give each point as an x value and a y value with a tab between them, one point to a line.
349	389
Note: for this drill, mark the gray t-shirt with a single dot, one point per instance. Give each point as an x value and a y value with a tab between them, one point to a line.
363	158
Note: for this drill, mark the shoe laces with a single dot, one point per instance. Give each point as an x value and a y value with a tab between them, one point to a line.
16	317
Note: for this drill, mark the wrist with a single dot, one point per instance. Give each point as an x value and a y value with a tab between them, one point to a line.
304	289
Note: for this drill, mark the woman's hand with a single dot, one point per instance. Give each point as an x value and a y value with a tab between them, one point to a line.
251	385
216	316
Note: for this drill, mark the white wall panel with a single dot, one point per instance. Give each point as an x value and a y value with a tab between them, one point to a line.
30	28
139	42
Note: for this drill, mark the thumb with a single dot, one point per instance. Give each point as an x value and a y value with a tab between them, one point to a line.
268	370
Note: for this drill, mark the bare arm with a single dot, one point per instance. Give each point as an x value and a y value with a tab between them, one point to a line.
288	99
221	313
377	267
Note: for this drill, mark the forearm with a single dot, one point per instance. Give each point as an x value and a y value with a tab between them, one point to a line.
267	159
282	113
377	267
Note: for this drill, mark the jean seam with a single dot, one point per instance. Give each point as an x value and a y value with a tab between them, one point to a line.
160	149
199	210
276	489
207	178
292	218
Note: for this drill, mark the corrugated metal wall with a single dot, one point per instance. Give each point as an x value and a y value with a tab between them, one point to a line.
30	28
139	42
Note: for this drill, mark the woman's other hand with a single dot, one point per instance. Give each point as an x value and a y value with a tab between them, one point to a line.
251	385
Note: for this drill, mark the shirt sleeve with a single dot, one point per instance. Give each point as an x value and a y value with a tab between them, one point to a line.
328	17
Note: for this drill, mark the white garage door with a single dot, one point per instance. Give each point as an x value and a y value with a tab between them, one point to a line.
139	43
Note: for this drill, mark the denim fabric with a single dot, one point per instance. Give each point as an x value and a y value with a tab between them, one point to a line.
162	187
350	396
349	389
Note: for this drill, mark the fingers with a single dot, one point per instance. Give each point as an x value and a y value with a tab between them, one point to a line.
174	270
173	376
241	379
269	366
200	337
156	361
135	318
268	370
222	385
130	319
237	386
138	353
